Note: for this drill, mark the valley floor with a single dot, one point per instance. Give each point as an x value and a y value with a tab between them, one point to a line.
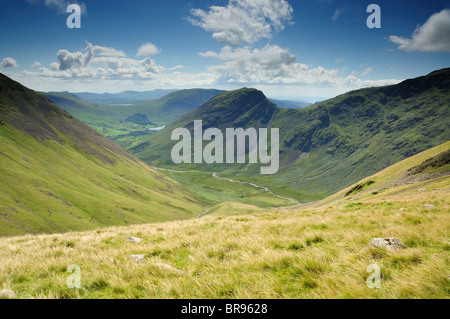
296	252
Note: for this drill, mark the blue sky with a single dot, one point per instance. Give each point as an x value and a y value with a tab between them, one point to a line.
297	49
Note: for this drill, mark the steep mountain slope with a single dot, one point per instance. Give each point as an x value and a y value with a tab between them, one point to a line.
57	174
329	145
320	251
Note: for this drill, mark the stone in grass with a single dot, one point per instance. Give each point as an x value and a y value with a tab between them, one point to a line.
138	258
7	294
429	206
390	243
134	239
166	266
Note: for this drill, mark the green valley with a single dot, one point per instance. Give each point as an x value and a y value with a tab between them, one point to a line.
128	121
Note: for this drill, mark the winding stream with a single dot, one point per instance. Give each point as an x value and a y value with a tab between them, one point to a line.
214	174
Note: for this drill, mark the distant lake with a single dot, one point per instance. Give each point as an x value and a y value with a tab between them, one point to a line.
156	129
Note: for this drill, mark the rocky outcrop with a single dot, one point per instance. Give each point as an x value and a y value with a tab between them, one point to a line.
389	243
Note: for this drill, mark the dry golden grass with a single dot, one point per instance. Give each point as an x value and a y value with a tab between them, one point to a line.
319	252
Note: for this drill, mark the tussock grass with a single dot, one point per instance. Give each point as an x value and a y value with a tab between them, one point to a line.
318	252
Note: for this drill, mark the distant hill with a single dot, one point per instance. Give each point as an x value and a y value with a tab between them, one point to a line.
126	96
329	145
57	174
162	110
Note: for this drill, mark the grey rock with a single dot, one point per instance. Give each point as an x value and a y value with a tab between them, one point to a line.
429	206
166	266
134	239
390	243
138	258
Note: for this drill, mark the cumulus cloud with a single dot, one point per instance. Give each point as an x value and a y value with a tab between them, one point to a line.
102	68
68	60
275	65
433	36
147	50
8	63
98	63
243	21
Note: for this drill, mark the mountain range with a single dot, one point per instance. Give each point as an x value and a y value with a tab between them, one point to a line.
58	174
326	146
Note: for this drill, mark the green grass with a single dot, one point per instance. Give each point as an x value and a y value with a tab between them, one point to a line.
301	253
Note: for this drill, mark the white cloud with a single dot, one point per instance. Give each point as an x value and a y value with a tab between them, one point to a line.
433	36
339	60
109	65
68	60
269	68
275	65
243	21
367	71
8	63
147	50
36	64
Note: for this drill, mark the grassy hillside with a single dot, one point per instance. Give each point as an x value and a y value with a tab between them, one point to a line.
329	145
128	121
320	251
57	174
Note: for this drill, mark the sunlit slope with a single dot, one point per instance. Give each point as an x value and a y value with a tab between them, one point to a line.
427	167
57	174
